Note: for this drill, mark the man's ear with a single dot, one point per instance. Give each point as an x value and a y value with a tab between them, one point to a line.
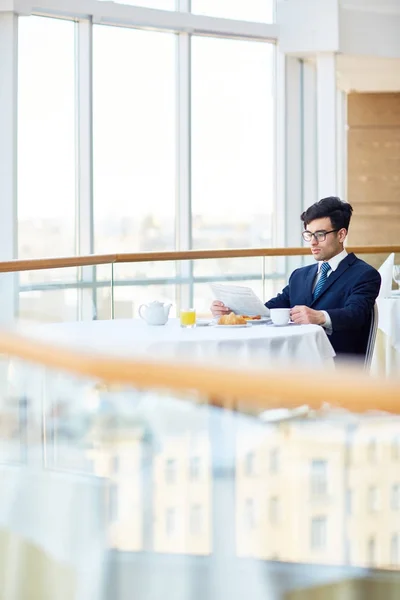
342	234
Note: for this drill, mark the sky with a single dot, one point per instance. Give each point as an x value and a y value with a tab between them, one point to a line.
134	91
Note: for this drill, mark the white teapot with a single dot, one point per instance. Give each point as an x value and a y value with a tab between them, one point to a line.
154	313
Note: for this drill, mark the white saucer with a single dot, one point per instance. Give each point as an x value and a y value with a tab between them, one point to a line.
232	326
262	321
203	322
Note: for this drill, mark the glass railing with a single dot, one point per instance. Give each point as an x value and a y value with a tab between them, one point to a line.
114	286
122	479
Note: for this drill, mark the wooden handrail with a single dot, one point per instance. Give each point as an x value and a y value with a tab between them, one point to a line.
35	264
255	390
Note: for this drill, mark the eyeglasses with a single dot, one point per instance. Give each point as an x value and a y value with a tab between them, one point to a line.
320	236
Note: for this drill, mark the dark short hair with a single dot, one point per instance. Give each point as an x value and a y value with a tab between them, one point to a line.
338	211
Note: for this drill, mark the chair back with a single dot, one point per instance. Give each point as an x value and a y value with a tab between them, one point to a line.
372	337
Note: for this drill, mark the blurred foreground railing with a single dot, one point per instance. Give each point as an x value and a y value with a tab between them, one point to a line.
124	478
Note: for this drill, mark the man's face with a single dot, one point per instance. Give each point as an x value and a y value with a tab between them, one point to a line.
333	243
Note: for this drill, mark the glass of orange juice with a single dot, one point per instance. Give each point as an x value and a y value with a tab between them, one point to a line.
188	317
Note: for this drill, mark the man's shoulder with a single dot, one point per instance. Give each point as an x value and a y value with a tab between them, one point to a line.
303	271
362	265
352	261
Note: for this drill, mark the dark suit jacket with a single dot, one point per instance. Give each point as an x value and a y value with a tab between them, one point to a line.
348	296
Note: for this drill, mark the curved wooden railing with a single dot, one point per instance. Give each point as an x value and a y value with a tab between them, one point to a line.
256	390
101	259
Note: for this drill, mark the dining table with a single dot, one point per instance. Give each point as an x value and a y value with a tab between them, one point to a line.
255	344
386	358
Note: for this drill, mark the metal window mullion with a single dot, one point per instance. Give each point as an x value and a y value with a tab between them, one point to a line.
309	150
183	180
8	159
279	237
84	162
289	137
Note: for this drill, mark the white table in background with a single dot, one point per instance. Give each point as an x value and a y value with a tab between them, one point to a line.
389	326
257	344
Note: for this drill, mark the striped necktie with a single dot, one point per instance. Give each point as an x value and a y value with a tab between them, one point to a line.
325	268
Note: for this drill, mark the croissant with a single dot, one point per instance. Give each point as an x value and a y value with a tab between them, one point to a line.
232	319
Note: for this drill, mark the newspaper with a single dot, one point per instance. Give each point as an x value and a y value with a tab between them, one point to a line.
241	300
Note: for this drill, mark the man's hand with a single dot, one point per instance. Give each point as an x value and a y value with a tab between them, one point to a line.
218	309
302	315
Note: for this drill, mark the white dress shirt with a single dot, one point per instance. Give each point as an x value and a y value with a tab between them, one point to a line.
334	262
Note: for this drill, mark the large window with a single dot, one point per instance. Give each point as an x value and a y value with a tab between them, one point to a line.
153	95
232	151
319	478
46	164
134	140
46	138
318	533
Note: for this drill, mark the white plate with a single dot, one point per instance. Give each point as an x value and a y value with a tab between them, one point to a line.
232	326
203	322
261	321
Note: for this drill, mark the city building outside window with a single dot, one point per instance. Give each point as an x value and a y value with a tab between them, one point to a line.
396	448
349	502
195	468
274	460
115	465
249	464
249	513
170	471
170	521
113	498
372	451
395	549
196	519
319	478
371	551
274	515
373	499
318	533
396	497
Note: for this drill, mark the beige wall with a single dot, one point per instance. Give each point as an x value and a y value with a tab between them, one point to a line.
374	167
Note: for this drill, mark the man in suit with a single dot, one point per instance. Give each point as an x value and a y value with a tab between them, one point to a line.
338	292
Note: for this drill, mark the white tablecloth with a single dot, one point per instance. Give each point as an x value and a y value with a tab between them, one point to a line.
256	344
389	318
387	352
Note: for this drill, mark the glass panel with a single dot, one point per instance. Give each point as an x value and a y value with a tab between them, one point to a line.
46	138
232	143
134	140
140	283
246	10
65	295
239	271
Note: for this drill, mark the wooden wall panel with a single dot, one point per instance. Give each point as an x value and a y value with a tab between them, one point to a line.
373	176
366	110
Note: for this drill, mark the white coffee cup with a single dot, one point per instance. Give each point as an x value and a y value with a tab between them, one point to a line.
280	316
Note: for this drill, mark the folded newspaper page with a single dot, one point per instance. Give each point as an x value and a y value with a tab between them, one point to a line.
241	300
